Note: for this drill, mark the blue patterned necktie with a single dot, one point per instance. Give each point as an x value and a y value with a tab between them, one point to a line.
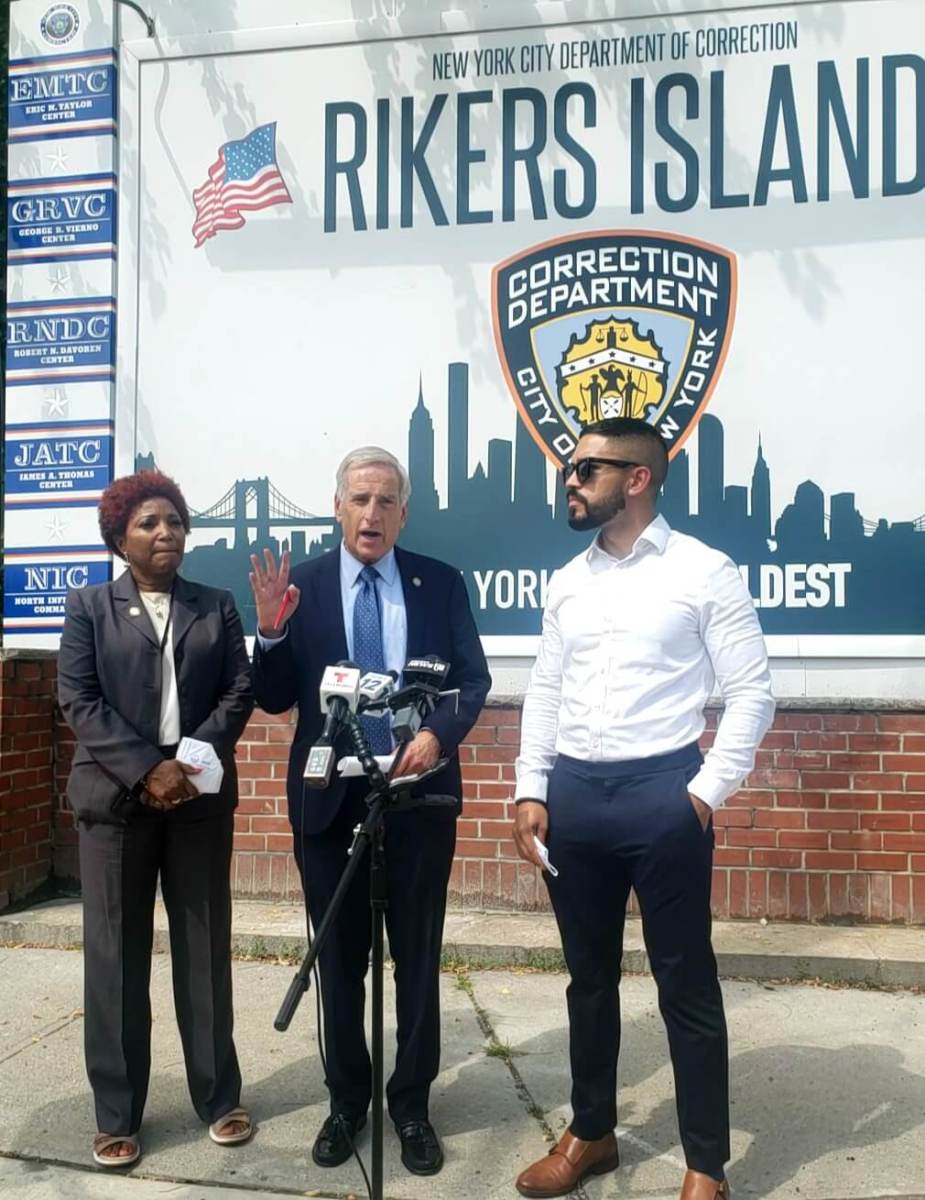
368	653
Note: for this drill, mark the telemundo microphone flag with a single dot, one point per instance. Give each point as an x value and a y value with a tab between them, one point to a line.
244	178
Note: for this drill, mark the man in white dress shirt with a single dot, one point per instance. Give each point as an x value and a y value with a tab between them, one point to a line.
637	630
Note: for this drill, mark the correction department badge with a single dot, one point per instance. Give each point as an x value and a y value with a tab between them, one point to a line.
613	324
59	24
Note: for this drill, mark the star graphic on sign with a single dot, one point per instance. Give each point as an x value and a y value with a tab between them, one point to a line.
56	528
56	403
57	160
59	278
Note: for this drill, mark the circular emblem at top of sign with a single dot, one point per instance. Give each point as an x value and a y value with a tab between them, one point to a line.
60	24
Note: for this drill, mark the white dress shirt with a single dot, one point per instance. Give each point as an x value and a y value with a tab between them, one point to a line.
630	652
391	605
158	607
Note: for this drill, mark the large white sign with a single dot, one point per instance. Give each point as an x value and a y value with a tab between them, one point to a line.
462	247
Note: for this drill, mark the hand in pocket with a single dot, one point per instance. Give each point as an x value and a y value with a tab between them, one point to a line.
702	809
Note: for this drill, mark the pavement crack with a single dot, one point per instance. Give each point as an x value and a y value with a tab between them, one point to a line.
464	983
40	1035
249	1188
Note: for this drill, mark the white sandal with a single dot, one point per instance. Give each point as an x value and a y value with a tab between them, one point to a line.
105	1141
231	1139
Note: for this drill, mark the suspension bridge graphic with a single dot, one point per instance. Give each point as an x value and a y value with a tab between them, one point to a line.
255	504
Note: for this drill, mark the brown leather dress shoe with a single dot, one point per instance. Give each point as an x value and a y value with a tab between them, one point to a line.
698	1186
567	1164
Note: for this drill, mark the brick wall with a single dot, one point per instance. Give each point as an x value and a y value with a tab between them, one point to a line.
263	863
26	777
830	825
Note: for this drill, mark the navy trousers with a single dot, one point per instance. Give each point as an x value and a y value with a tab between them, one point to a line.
612	827
419	845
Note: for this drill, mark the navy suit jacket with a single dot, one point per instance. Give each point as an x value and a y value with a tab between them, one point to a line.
439	622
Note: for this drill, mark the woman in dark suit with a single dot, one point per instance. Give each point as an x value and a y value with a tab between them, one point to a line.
145	661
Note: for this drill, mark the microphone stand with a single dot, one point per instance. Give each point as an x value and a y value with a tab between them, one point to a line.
370	835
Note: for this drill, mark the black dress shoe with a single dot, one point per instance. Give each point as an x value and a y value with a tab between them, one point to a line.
334	1143
421	1152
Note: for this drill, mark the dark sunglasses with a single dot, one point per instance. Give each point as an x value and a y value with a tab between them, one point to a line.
584	467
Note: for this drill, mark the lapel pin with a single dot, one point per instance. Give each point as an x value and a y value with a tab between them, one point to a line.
134	611
416	581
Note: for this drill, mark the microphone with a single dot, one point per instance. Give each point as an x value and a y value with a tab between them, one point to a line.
428	670
421	679
375	689
339	692
340	683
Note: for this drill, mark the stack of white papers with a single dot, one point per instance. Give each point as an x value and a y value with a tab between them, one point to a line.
202	755
351	766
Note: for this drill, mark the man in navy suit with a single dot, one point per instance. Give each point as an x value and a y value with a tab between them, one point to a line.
377	606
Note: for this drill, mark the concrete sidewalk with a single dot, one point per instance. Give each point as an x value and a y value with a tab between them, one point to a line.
828	1092
868	955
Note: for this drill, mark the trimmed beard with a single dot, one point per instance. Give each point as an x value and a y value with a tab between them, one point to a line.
596	515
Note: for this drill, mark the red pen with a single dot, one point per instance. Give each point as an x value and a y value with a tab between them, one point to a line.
287	600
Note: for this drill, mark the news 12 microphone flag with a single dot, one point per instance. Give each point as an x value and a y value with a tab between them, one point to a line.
478	241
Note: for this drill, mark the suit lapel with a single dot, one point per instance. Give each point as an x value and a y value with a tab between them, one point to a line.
130	608
328	616
414	589
185	608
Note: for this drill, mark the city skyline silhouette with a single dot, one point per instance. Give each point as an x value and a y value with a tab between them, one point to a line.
498	518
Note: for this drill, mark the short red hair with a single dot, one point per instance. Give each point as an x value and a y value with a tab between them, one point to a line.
124	495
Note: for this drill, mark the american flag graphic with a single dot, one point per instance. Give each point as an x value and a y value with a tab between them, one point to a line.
242	179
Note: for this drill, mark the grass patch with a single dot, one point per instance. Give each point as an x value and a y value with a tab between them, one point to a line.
257	950
455	958
502	1050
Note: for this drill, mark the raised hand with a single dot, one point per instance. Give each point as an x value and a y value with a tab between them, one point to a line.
270	584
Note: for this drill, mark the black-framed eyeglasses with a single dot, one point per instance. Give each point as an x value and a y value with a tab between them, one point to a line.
584	467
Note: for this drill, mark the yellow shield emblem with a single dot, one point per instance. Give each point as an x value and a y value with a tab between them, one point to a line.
612	371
